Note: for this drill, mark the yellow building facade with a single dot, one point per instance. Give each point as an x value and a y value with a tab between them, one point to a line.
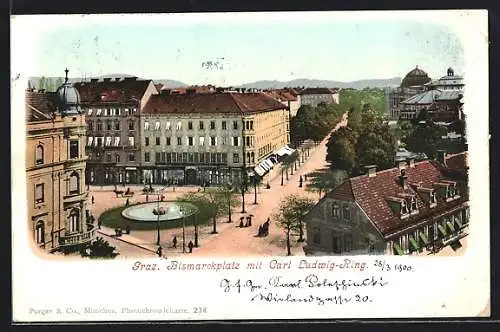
55	173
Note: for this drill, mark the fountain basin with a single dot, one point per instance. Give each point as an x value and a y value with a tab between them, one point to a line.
172	211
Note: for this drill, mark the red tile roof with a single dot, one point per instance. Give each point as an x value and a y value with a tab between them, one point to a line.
123	91
457	162
39	105
372	193
229	103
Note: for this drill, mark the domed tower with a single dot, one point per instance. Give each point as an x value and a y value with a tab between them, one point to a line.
68	98
451	72
416	77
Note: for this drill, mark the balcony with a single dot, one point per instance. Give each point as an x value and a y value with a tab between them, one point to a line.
80	238
75	197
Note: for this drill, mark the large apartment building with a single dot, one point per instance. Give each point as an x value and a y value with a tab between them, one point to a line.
113	107
208	139
55	170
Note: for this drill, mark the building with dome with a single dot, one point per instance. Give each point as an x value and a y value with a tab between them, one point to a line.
58	212
442	100
412	84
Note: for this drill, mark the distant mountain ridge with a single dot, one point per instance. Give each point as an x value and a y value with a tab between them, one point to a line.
313	83
263	84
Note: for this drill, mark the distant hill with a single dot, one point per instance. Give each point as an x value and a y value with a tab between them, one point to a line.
35	80
312	83
265	84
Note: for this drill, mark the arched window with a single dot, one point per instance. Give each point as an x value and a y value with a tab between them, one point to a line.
74	183
39	155
252	155
74	221
40	232
248	157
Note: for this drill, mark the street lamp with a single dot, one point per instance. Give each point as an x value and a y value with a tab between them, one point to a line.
196	230
158	212
255	189
182	209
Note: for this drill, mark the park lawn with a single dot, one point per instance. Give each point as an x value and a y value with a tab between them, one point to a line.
113	218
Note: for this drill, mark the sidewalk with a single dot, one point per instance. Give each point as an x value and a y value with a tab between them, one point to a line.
127	238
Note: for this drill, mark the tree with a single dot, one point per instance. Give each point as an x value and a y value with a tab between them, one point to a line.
376	145
290	216
218	204
99	249
367	139
425	138
42	83
227	191
341	149
323	182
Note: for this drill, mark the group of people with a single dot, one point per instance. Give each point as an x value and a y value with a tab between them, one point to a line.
264	229
190	244
248	223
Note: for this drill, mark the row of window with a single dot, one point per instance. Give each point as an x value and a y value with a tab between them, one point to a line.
346	212
340	243
40	152
439	230
190	157
111	111
73	188
190	126
190	141
131	157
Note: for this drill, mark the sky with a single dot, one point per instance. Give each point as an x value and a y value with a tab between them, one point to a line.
248	49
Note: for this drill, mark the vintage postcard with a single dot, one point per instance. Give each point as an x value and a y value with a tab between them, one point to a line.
233	166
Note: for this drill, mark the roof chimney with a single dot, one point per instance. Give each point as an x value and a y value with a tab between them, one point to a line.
441	156
402	179
94	80
165	92
106	79
411	162
372	170
117	79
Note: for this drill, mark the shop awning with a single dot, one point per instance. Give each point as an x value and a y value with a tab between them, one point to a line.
284	151
442	230
451	226
269	163
259	171
264	166
398	249
424	238
414	243
281	152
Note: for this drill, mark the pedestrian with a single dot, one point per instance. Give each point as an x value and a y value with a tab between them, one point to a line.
92	199
300	182
241	223
190	246
127	229
174	242
127	202
99	223
158	252
260	231
147	197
